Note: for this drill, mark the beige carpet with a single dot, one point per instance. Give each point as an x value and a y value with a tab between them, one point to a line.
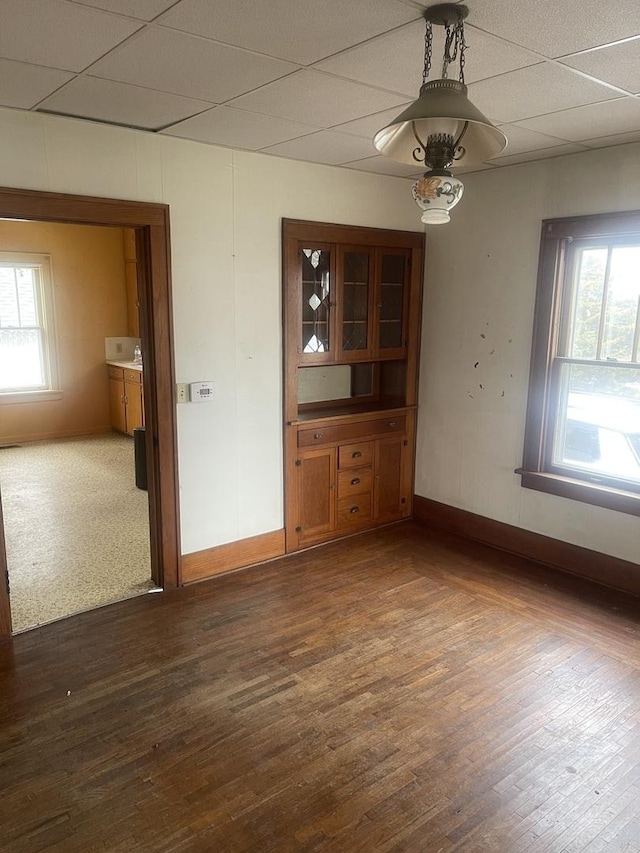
76	526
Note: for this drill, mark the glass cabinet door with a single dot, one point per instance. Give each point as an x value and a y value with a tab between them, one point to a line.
317	295
354	320
391	296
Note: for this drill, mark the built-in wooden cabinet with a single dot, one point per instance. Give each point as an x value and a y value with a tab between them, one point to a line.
352	299
126	399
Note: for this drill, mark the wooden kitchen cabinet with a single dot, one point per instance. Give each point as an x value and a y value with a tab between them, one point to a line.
352	484
371	303
352	304
126	399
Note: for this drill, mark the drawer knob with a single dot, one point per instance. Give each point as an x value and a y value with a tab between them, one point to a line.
355	481
317	435
392	423
354	509
356	454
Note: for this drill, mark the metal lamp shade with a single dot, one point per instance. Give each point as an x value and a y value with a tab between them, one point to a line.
443	107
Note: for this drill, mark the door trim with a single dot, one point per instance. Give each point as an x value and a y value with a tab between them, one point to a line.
151	223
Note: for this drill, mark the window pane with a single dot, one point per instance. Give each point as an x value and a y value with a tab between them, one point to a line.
21	362
591	270
9	311
598	423
27	296
623	298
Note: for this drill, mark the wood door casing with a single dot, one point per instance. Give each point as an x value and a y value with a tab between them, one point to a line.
150	223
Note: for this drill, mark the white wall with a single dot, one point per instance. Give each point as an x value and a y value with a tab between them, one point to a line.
479	300
226	208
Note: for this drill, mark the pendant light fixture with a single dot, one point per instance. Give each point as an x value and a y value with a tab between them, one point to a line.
442	127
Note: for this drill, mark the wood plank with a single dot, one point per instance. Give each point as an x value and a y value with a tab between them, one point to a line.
401	690
200	565
601	568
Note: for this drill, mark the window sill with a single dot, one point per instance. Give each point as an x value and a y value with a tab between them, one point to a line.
12	397
579	490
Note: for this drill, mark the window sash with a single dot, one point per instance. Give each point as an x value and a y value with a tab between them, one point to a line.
559	402
45	350
560	238
569	290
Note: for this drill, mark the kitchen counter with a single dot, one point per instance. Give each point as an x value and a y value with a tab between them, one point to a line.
129	365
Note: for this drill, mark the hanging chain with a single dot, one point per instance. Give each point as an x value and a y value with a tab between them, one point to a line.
428	45
454	44
463	47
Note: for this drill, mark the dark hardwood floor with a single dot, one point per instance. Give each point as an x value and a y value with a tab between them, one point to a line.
399	691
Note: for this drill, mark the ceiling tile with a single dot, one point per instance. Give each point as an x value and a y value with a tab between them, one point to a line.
119	103
520	140
615	139
383	166
555	29
589	122
58	34
315	98
23	86
540	154
618	64
395	60
327	146
186	65
145	10
370	125
532	91
238	129
302	31
476	167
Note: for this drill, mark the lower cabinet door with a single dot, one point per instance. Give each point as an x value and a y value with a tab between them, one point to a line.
116	401
389	502
133	394
316	494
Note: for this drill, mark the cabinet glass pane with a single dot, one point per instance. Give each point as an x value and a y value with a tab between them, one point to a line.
355	300
391	303
316	287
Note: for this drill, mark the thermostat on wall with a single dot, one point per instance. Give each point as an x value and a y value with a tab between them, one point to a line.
200	392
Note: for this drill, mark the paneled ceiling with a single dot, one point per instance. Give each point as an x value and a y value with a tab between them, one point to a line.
314	80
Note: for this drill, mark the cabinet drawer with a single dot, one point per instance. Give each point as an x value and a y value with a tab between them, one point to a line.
115	372
344	432
354	511
355	455
132	375
354	482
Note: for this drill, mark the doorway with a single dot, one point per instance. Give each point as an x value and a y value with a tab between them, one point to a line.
151	226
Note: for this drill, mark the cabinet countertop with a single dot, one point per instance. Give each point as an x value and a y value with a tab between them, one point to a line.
129	365
350	413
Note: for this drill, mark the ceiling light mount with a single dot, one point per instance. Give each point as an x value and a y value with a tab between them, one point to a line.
430	131
446	14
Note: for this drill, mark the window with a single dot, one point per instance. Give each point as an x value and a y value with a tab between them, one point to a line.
583	419
27	343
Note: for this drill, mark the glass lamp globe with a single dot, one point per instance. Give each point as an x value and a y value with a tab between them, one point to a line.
436	192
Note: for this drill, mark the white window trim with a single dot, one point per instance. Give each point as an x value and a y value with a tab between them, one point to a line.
52	391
